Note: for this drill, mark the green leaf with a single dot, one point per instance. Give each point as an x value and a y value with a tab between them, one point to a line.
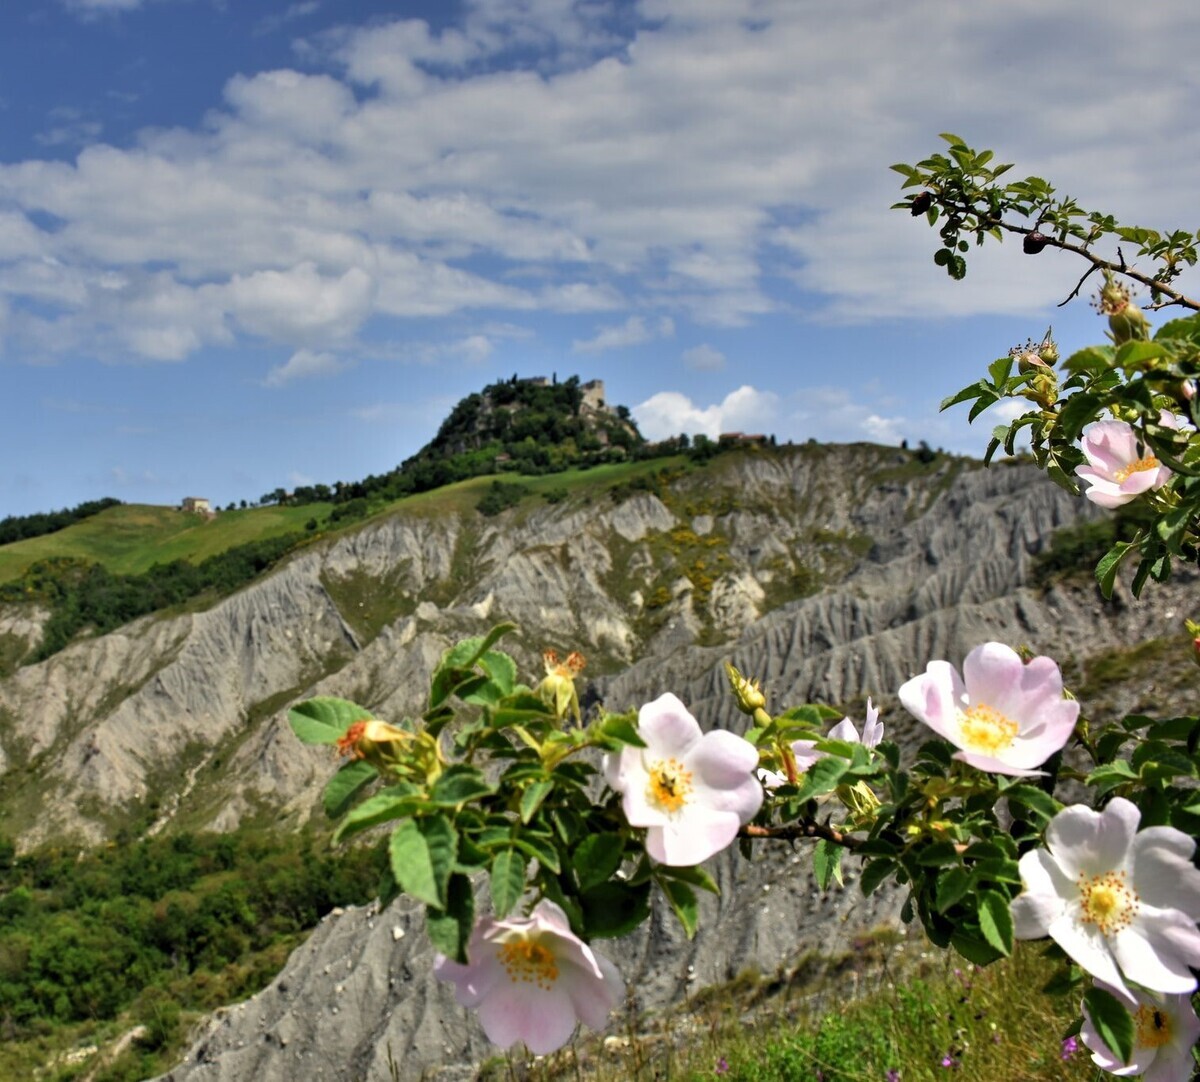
822	777
395	802
694	876
1106	569
422	856
974	950
324	720
875	873
345	785
995	921
683	904
458	784
1112	1021
541	848
597	858
532	797
952	886
613	909
938	854
502	670
450	928
617	730
827	862
1036	800
508	881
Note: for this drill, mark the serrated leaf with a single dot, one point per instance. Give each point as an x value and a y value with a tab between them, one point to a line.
422	855
507	881
345	785
974	950
597	857
1111	1020
952	887
1106	569
449	929
694	876
324	720
683	904
618	731
995	921
532	797
540	848
613	909
827	862
395	802
1035	799
822	777
501	669
875	873
458	784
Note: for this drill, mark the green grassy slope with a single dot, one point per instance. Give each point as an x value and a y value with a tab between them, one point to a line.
131	538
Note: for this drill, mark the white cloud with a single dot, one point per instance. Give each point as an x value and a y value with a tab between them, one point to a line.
303	364
704	358
669	413
691	156
633	332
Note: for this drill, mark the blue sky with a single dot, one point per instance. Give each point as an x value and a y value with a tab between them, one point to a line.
248	244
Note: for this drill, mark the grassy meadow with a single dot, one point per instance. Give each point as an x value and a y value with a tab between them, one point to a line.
889	1011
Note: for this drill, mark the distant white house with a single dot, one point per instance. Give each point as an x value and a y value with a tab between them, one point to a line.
197	504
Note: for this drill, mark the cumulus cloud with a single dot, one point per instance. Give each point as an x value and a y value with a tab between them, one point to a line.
693	157
303	364
633	332
704	358
669	413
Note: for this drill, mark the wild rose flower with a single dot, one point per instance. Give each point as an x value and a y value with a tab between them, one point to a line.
1165	1030
1122	903
1117	468
1008	717
872	729
532	979
691	790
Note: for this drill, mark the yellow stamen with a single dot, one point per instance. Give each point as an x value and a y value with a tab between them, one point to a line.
1107	901
1138	466
1153	1026
986	730
528	962
670	785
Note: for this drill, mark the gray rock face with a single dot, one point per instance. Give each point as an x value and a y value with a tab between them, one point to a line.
829	573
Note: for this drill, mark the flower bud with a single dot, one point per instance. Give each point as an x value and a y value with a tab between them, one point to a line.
557	690
392	751
1034	242
747	692
922	201
1187	389
1048	349
1126	321
1193	629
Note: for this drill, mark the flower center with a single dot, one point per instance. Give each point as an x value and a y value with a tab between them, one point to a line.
1108	902
1137	466
1153	1026
670	785
527	961
986	730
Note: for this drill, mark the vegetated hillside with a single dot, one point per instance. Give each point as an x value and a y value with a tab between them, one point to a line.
830	572
131	538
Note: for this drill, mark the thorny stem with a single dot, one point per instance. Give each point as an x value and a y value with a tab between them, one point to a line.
804	828
987	221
